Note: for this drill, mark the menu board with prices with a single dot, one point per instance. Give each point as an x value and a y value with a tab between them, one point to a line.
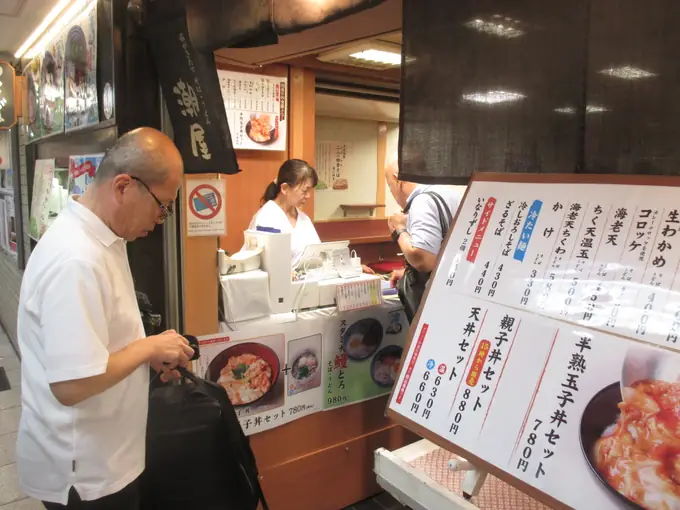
546	346
257	109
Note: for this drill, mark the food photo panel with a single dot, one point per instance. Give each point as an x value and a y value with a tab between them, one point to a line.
362	353
304	362
251	372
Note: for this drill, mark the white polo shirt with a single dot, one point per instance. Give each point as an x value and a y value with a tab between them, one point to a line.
77	306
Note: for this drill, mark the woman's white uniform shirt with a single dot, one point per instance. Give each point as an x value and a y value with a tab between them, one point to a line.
302	234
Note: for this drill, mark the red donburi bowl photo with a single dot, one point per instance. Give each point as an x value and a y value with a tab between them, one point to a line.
247	371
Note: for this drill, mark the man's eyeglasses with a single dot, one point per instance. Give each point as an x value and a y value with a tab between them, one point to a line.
167	210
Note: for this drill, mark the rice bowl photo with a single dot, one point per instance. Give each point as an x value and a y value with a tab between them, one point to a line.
247	372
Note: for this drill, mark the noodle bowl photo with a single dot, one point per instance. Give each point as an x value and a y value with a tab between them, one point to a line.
362	339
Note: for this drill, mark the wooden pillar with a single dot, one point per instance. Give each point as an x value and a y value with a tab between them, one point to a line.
200	274
302	125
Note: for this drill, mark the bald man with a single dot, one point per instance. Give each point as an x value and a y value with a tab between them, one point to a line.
419	231
85	358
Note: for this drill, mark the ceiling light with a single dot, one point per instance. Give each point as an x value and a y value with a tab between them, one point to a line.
506	28
51	16
493	97
375	54
76	8
570	110
627	73
379	56
596	109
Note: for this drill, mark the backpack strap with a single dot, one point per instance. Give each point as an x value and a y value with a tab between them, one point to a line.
445	216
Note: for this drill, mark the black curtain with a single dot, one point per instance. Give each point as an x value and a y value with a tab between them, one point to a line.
543	87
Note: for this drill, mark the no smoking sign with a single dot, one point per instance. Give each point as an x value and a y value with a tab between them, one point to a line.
205	202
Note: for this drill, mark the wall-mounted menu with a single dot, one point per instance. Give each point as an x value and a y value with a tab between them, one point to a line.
257	110
42	189
331	165
51	90
61	80
545	346
80	70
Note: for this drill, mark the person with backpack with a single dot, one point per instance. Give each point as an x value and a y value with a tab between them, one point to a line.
419	231
85	355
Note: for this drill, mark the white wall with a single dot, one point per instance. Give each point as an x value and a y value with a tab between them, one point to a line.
361	165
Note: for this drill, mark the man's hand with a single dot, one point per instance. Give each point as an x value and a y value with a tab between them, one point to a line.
397	222
395	277
164	352
168	351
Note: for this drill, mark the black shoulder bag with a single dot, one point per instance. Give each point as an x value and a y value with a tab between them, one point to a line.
197	455
412	286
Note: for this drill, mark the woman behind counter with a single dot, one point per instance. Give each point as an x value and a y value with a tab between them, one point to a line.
282	198
291	189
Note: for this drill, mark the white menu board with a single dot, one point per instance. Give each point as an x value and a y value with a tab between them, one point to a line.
546	346
257	110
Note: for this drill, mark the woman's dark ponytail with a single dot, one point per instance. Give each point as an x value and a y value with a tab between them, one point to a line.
271	192
293	172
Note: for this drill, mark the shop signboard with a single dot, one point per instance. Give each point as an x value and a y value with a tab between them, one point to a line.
548	340
8	113
257	110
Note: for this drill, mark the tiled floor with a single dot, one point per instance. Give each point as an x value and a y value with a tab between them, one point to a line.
11	497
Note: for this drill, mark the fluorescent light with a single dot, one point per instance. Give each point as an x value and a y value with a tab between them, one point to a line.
51	16
627	73
493	97
379	56
77	7
591	108
500	27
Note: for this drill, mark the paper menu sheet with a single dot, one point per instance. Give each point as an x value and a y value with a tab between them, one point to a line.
256	108
598	255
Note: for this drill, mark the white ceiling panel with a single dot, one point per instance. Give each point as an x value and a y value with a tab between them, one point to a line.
18	18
